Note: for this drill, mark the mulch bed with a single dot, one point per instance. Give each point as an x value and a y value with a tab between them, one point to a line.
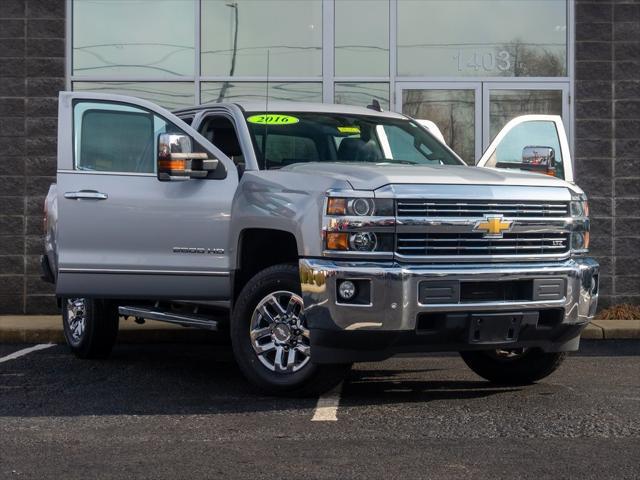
624	311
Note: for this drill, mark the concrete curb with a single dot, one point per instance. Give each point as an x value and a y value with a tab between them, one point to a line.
48	329
618	329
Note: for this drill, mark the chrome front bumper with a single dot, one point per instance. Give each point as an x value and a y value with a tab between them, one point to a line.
394	305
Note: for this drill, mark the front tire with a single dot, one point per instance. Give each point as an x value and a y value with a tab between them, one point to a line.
90	326
270	338
513	367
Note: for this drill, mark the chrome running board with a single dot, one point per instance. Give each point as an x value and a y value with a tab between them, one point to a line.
197	321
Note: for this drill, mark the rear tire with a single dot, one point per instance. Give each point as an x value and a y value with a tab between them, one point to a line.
267	317
506	368
90	326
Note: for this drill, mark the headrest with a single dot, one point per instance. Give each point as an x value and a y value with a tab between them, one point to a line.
349	148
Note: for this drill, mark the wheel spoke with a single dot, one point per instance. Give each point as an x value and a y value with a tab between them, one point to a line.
291	307
259	333
279	358
303	349
291	359
305	332
274	301
265	314
264	348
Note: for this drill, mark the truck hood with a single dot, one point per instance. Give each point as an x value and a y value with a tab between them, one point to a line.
373	176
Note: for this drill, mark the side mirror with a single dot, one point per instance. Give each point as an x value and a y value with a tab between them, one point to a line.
539	159
534	159
177	161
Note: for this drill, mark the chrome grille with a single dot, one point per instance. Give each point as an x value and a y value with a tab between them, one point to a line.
472	243
480	208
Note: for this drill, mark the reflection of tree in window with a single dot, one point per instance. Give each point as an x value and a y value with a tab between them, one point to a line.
505	105
539	60
453	111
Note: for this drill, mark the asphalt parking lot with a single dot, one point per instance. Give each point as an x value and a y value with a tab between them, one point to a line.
184	411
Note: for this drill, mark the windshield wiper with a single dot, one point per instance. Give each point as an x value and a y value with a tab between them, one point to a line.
403	162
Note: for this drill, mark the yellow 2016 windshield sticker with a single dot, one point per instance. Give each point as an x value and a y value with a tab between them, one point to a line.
349	129
272	119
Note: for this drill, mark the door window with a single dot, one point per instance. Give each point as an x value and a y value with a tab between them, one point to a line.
112	137
221	132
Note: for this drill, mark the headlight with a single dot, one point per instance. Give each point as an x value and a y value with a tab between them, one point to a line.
579	207
359	226
580	241
580	212
359	207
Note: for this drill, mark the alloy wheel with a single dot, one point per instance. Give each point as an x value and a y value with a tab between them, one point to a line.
278	332
76	318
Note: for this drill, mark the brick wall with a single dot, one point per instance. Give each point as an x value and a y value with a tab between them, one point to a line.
31	74
607	143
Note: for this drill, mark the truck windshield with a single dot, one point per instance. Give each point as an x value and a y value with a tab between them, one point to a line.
291	137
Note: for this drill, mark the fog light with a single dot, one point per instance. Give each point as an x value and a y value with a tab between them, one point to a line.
346	289
363	241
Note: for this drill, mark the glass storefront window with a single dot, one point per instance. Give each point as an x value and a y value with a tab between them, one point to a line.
289	91
527	38
362	38
453	111
362	94
170	95
237	35
505	105
140	37
455	62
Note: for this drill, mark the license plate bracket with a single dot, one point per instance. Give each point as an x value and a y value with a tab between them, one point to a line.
495	328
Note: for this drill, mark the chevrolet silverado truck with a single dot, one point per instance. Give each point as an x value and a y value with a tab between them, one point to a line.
318	235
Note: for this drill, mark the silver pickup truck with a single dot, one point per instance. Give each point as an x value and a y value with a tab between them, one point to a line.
318	235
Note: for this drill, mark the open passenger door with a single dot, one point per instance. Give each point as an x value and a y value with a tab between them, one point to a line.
533	143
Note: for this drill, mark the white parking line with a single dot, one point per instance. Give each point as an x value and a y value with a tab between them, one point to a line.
327	406
26	351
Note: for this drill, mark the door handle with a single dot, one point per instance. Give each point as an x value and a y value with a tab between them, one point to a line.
86	194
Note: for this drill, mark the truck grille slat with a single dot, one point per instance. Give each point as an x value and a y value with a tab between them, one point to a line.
448	208
473	243
500	240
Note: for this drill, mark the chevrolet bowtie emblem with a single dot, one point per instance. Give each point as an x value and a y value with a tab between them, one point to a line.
493	226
